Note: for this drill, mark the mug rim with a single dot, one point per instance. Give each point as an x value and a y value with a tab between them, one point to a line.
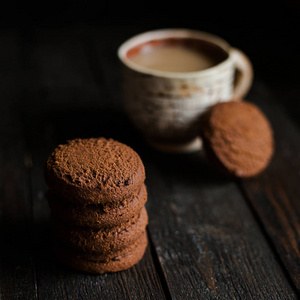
172	33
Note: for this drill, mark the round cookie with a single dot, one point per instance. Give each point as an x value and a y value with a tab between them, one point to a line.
238	137
116	261
104	240
97	215
94	170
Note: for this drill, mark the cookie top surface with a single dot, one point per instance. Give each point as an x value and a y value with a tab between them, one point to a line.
94	170
239	136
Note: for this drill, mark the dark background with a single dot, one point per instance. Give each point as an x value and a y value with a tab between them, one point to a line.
267	31
259	26
61	84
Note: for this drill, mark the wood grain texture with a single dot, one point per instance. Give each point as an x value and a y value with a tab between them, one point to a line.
207	241
275	194
209	237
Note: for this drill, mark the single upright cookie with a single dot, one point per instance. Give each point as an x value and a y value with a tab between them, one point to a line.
94	170
238	137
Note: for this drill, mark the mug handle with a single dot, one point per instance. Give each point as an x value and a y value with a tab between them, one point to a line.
244	76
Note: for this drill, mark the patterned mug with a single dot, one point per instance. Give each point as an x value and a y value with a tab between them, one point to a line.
166	106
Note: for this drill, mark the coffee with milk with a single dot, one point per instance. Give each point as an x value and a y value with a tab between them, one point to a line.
177	55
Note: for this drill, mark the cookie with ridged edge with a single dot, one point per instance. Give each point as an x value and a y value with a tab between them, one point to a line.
103	240
99	264
94	170
97	215
238	138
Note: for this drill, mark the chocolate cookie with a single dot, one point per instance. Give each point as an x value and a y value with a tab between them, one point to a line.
104	240
97	264
95	170
238	137
97	215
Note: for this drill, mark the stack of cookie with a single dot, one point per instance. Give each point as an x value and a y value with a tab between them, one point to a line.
97	196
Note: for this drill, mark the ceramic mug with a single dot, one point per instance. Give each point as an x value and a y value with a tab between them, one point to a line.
167	106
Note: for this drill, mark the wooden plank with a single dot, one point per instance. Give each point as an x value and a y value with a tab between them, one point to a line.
208	243
59	282
63	103
274	195
17	272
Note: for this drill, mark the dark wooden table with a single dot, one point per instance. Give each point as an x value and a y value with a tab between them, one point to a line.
210	237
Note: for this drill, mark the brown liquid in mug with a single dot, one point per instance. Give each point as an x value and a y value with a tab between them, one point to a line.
177	55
